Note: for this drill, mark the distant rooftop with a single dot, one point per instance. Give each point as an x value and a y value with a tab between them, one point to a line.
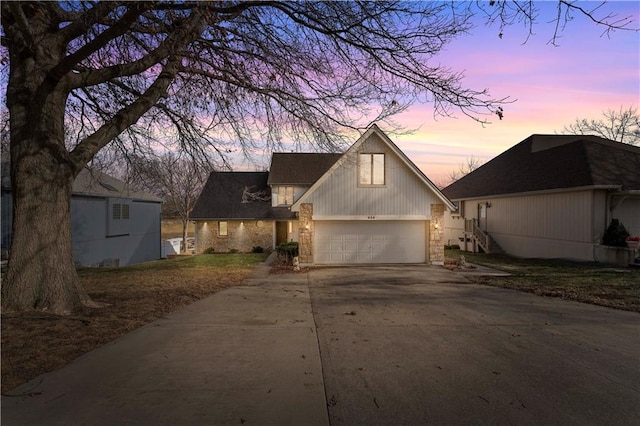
546	162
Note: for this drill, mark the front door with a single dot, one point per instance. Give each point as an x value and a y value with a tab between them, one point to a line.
482	216
281	232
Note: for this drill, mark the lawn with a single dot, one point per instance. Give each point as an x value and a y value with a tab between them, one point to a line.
584	282
33	344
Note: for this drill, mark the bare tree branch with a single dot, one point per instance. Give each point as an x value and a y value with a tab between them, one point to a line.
621	125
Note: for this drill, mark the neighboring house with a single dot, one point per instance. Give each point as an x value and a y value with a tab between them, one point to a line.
550	196
111	223
368	205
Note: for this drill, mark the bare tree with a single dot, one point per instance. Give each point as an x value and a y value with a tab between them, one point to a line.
464	169
87	79
622	126
176	179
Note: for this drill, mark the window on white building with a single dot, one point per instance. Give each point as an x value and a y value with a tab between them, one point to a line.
285	195
371	169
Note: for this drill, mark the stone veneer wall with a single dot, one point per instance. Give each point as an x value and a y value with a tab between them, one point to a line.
305	233
436	235
242	235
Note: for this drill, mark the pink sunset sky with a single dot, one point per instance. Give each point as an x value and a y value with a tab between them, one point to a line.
586	74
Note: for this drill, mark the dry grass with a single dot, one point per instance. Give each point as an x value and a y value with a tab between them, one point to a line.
584	282
33	344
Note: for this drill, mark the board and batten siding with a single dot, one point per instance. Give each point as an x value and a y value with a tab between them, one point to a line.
557	225
561	216
403	194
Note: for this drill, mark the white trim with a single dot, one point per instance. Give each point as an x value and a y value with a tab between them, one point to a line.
373	218
354	148
538	192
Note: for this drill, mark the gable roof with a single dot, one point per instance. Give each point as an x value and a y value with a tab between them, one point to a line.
354	148
299	168
548	162
237	195
93	183
97	184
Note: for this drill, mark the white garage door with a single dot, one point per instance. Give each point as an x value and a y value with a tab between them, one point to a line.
338	242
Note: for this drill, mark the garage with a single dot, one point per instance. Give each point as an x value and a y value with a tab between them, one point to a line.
349	242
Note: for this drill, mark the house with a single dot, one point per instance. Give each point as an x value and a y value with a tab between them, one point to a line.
368	205
550	196
112	224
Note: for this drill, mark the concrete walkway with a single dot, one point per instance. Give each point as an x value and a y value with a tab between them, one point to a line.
246	355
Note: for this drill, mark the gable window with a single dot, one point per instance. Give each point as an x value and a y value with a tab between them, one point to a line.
371	169
222	229
285	195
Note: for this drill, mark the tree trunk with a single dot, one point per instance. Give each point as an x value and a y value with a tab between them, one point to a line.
41	273
183	247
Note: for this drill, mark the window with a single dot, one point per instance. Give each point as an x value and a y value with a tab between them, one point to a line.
222	229
285	195
117	212
118	215
371	169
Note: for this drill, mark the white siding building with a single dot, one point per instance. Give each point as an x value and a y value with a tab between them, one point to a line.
550	196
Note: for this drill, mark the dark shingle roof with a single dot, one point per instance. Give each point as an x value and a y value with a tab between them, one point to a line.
299	168
223	197
544	162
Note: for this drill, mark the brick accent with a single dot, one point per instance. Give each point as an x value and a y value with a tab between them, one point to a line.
241	235
436	235
305	233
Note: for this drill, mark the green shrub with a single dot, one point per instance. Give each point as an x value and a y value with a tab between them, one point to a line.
287	251
232	251
615	235
452	247
209	250
257	249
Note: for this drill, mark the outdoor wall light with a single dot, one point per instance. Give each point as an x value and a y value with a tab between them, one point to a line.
436	226
306	226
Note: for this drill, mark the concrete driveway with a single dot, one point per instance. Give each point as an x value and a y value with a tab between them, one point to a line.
420	345
366	345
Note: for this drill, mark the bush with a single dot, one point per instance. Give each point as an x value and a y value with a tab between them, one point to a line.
452	247
209	250
257	249
287	251
232	251
615	235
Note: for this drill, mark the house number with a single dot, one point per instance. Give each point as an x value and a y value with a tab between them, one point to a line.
371	217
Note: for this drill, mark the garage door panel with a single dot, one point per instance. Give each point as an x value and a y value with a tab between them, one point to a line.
344	242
